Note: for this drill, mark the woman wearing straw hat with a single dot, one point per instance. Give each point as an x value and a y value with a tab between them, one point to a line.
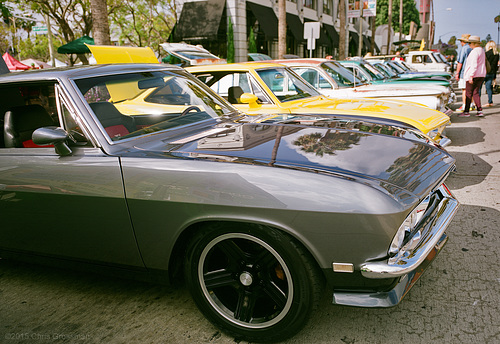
461	59
474	73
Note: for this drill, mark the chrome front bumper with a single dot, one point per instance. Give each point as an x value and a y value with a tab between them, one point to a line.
391	297
410	267
410	261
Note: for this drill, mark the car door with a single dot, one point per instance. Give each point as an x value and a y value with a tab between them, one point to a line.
248	84
64	206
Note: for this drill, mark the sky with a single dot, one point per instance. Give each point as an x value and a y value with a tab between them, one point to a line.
456	17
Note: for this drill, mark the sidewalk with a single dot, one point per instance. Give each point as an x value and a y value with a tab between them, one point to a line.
475	143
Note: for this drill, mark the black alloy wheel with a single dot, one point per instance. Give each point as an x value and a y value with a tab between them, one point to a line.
256	284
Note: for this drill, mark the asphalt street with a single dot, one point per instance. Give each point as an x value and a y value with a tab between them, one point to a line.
456	301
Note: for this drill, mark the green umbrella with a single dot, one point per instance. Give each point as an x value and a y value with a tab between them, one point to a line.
77	46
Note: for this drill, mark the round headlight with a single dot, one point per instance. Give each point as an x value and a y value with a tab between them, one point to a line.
407	226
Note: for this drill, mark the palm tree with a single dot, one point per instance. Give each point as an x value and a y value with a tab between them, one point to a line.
100	24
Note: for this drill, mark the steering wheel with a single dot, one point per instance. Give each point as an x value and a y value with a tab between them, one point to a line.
189	109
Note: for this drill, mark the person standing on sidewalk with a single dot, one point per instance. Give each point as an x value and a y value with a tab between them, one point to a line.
461	59
492	57
474	73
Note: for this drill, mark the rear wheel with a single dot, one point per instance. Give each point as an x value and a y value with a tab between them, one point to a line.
256	283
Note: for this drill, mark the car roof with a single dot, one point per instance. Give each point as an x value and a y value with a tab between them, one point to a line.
311	61
82	71
234	66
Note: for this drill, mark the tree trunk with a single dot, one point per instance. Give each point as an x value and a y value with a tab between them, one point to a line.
281	28
100	24
389	25
342	33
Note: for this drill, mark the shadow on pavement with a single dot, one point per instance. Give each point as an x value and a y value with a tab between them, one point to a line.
464	136
471	170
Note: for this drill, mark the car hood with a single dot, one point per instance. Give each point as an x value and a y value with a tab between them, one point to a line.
425	75
377	154
394	90
415	81
421	117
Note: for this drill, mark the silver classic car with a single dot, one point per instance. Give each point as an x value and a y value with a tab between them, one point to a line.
143	170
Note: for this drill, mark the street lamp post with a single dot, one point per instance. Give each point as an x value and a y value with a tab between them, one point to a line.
497	20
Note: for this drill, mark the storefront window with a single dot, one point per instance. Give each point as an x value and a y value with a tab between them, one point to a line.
327	7
310	4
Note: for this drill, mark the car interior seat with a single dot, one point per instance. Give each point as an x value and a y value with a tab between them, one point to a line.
21	121
114	122
233	94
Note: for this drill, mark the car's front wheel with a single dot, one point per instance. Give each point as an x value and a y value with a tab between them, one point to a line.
254	283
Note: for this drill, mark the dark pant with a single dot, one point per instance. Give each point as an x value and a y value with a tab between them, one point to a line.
488	83
472	92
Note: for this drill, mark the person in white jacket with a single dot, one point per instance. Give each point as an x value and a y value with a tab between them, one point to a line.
475	71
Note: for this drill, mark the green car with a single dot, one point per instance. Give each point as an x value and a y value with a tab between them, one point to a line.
374	75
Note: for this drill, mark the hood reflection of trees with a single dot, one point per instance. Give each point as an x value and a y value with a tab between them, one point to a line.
327	144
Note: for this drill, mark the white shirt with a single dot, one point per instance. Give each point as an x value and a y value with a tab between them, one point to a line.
475	66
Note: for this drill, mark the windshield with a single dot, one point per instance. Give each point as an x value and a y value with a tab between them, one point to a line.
134	104
372	71
342	76
194	55
385	70
286	85
407	66
395	67
439	58
401	66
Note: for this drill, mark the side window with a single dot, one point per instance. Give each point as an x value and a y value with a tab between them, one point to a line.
323	83
23	109
77	136
357	73
222	85
262	98
417	59
313	77
428	59
310	75
171	59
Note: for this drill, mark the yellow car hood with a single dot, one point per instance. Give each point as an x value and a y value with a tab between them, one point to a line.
421	117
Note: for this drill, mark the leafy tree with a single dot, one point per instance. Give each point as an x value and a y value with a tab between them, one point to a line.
230	41
142	22
37	48
4	11
72	19
410	13
4	39
252	44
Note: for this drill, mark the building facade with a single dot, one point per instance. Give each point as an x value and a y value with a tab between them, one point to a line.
208	23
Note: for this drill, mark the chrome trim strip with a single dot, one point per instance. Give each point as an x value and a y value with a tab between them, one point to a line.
444	141
447	209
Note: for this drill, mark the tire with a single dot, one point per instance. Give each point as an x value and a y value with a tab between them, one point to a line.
254	283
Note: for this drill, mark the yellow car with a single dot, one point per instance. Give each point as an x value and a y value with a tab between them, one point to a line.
264	88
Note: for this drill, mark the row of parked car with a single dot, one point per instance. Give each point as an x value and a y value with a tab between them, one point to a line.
244	181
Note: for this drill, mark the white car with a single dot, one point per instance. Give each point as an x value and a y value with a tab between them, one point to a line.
426	61
334	80
185	55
